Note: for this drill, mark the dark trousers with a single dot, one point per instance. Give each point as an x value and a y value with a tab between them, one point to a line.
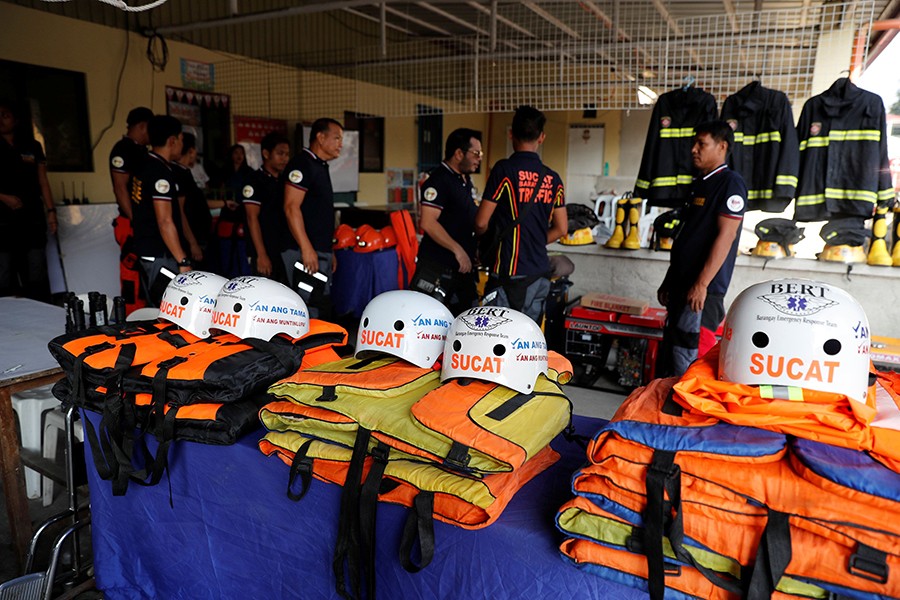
526	294
23	271
681	335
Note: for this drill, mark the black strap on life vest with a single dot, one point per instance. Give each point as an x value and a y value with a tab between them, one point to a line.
301	465
660	476
509	406
869	563
665	518
772	556
346	560
419	527
368	509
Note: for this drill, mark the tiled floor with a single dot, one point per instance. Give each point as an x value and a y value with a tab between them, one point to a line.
585	401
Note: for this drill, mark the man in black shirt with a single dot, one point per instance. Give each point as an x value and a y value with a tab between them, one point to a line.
524	202
448	212
196	219
125	158
263	203
309	208
703	254
156	219
24	199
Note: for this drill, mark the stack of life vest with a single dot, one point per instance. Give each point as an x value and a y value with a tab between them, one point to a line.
178	378
706	488
453	442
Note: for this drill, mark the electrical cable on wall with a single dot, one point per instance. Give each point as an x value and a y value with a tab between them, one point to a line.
157	52
115	110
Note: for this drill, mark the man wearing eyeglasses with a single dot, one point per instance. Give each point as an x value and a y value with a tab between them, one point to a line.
444	262
523	210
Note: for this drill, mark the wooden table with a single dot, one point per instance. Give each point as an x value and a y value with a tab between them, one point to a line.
25	363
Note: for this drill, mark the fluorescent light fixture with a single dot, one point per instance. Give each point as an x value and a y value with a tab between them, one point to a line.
646	96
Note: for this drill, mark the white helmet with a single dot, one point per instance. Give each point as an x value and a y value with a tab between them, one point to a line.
405	324
496	344
260	308
797	333
189	300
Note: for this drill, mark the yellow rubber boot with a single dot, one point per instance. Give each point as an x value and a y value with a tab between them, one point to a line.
895	255
618	236
633	240
878	254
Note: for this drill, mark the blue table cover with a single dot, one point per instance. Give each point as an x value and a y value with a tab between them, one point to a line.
233	533
360	276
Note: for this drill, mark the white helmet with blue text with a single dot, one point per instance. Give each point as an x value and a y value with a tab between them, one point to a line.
496	344
797	333
260	308
405	324
189	300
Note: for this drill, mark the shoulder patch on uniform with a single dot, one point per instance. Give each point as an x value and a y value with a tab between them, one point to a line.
735	203
295	176
118	162
247	191
162	186
430	194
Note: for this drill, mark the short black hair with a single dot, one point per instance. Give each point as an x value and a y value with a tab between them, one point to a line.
718	130
141	114
190	142
272	139
460	139
528	123
321	126
161	128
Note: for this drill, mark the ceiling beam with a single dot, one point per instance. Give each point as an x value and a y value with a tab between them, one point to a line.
389	25
606	19
417	21
674	28
453	18
501	19
551	19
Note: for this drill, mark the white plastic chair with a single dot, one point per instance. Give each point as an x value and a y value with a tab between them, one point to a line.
30	406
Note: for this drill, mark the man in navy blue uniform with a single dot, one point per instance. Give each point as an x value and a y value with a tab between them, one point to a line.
447	250
525	204
263	201
158	238
703	254
309	208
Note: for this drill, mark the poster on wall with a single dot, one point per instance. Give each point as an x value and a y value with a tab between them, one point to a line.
249	132
198	75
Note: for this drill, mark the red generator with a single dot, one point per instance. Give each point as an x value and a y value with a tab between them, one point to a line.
607	345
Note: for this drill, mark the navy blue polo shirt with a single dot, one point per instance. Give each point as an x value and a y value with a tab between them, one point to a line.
453	194
196	210
512	185
153	182
722	192
127	156
25	227
309	173
266	191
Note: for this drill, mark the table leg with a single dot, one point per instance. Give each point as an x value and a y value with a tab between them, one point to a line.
13	478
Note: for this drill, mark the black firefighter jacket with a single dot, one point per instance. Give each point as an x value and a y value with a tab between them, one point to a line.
766	152
844	167
666	172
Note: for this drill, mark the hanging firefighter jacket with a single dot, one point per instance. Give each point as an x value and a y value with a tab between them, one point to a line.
748	509
844	166
666	171
766	152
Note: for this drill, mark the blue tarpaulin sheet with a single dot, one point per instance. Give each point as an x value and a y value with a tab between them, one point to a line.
231	532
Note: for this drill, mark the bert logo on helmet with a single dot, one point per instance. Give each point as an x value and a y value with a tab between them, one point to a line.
797	333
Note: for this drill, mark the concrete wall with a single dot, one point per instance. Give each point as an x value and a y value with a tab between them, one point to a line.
638	273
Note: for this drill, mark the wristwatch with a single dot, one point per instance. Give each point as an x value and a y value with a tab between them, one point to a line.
185	262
